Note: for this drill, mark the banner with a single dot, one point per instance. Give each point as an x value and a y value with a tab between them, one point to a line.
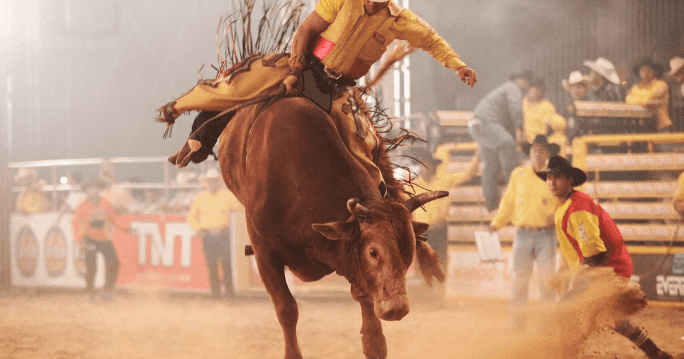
661	275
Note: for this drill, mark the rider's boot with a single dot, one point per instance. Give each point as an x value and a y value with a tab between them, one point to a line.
201	142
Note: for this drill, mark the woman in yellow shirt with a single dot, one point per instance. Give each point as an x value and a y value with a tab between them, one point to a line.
651	92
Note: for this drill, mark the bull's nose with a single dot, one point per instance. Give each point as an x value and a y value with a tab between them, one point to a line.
392	309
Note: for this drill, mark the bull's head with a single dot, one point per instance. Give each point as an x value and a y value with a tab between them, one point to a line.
380	242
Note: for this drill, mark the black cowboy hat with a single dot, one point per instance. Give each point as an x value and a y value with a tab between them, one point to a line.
553	148
558	164
527	75
658	68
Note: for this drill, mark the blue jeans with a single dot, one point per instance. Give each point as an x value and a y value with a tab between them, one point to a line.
498	153
529	247
217	246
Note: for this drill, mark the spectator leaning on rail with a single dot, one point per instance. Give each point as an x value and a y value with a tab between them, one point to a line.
530	206
92	225
577	85
209	217
495	125
540	117
588	236
605	82
651	92
31	199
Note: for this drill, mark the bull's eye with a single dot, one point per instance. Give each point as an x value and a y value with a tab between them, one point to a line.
374	253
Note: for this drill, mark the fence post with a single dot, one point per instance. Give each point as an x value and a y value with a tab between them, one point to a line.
5	210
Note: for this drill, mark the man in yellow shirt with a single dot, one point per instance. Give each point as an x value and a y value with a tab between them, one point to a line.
530	206
541	118
209	217
32	199
335	45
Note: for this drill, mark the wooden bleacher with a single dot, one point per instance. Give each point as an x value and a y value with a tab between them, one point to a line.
640	205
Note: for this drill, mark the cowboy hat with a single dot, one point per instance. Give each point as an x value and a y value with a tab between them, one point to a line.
26	175
676	64
604	68
211	174
575	78
657	68
553	148
557	165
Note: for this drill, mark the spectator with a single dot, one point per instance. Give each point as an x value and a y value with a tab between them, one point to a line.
209	217
75	195
92	225
651	92
434	176
676	84
588	236
118	196
31	199
605	82
529	205
182	200
540	117
495	125
577	85
149	202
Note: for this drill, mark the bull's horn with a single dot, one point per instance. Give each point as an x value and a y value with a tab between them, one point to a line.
418	201
357	209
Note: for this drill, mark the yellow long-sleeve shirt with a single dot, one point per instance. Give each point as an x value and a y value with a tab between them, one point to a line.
527	201
31	202
357	37
212	210
538	116
437	211
655	91
679	192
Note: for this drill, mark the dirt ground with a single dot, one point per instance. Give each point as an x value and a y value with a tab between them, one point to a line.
148	324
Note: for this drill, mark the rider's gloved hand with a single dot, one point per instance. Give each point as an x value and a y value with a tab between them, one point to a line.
293	80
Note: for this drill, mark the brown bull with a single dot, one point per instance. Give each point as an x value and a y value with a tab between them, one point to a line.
312	207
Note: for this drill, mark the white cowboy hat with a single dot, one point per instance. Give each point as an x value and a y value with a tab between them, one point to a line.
576	77
676	64
604	68
211	173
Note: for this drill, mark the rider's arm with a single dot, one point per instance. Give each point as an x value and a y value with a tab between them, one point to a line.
313	25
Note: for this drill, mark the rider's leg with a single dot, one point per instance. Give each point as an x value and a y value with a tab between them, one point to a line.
200	144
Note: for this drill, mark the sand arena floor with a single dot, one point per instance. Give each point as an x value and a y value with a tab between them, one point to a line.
147	324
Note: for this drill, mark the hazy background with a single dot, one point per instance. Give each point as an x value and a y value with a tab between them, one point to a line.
82	78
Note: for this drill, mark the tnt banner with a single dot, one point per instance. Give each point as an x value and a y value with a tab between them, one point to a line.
661	275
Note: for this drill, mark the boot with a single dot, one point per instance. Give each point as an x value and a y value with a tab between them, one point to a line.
639	337
191	151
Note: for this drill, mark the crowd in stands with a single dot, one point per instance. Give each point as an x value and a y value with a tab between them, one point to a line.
132	197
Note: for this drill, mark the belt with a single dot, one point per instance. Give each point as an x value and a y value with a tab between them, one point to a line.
534	229
323	47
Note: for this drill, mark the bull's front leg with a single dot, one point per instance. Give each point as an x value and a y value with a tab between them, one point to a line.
272	273
372	338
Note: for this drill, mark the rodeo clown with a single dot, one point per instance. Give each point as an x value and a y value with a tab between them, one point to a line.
335	45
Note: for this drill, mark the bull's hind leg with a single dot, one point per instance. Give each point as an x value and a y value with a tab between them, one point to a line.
272	273
372	338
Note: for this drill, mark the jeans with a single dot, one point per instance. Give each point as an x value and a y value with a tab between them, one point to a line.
111	263
498	153
217	246
528	247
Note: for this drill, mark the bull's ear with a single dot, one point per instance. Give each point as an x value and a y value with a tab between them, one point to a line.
336	230
419	227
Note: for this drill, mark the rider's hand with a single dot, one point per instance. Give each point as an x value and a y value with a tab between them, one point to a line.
292	84
467	75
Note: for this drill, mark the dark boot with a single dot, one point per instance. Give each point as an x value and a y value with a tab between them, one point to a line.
639	337
206	129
